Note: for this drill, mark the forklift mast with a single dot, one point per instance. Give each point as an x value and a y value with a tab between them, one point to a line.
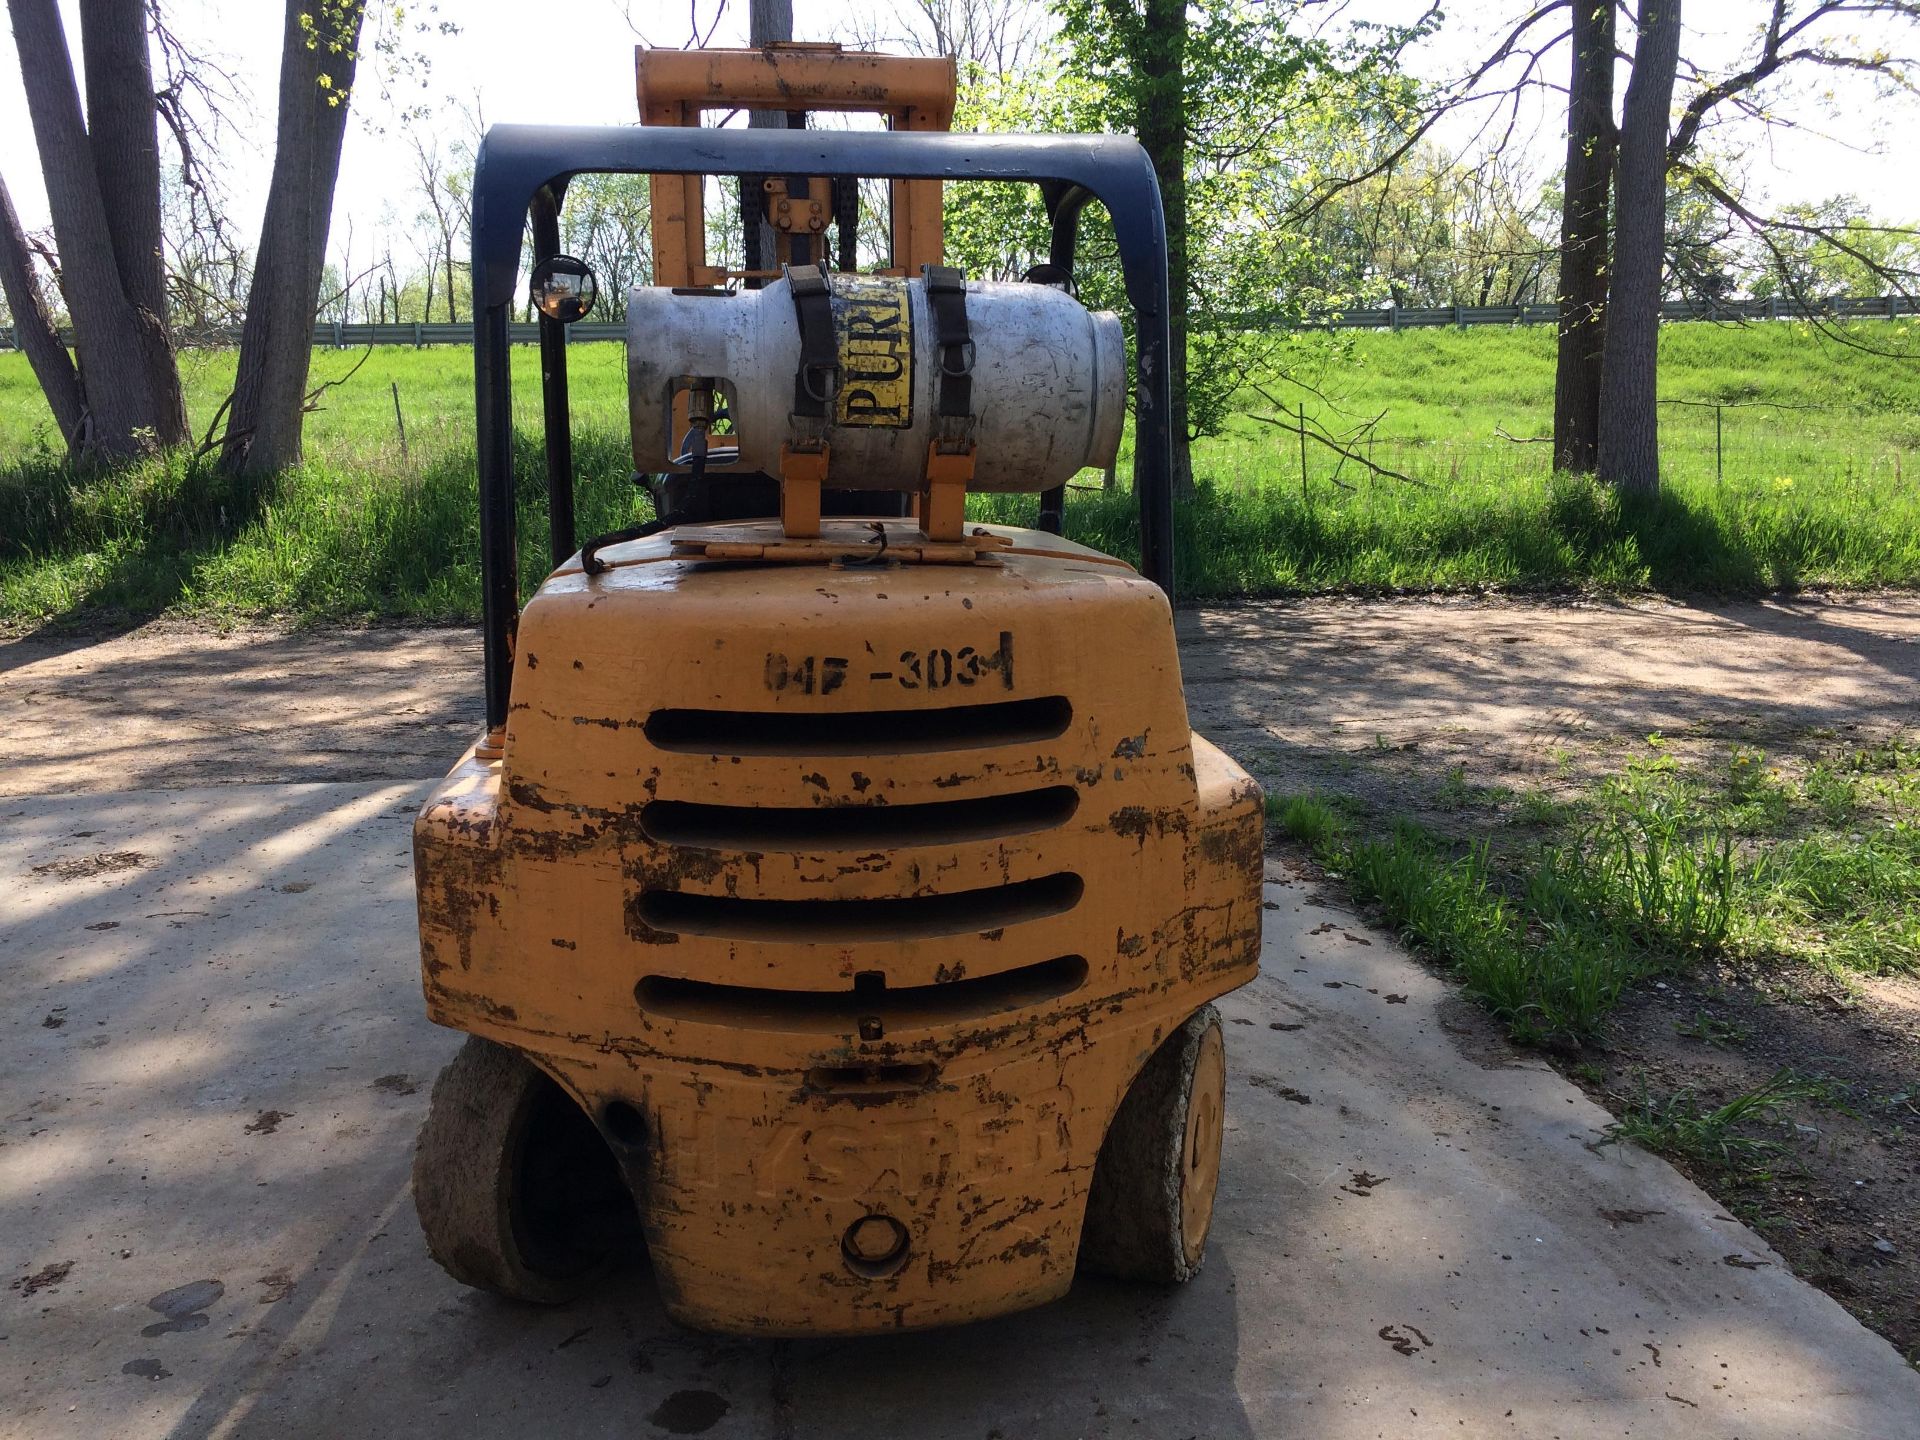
681	87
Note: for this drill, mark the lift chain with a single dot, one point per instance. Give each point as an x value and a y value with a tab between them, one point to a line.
846	220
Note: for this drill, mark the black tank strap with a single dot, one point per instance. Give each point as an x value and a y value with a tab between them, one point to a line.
947	298
819	374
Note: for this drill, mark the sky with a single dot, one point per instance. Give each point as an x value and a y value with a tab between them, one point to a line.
494	59
578	69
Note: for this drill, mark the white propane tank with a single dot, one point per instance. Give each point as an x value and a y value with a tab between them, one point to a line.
1048	395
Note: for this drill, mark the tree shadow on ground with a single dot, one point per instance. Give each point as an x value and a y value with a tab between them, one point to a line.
1679	548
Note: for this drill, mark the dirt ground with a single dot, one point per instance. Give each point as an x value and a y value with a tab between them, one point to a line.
1379	700
168	706
1362	693
1392	703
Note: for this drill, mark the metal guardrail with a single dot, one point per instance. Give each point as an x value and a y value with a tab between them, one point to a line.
351	335
1394	317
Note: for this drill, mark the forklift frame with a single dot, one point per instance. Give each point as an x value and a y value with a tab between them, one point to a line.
521	175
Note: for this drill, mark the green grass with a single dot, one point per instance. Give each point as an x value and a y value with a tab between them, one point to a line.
1719	1136
1814	497
1545	962
1306	818
1811	858
1549	962
362	530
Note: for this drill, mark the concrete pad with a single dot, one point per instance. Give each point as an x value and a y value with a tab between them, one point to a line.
213	1063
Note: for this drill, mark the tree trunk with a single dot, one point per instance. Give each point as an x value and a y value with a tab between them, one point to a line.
1161	107
1583	239
767	21
123	133
116	360
33	326
1629	393
276	343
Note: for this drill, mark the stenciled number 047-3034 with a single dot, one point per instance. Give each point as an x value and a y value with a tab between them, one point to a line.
934	668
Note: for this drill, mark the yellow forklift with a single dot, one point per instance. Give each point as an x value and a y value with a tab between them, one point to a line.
835	896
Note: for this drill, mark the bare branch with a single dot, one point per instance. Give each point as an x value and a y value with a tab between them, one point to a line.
212	440
1775	56
1766	230
1320	436
311	401
1501	431
1464	91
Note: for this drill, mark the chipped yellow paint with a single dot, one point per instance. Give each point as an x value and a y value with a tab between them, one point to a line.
951	1064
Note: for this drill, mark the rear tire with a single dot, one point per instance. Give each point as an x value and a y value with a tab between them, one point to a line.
516	1191
1151	1203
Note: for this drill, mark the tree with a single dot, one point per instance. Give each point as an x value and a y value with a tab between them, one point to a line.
1141	45
1630	354
114	235
207	269
1001	37
103	189
1436	230
1239	104
1262	108
33	324
607	222
1867	256
1795	39
1615	290
318	56
446	184
206	265
1584	215
1705	262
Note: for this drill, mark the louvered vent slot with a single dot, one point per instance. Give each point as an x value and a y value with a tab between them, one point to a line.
866	827
840	1012
859	732
817	922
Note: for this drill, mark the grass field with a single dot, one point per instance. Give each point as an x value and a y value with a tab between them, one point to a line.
1815	494
1547	908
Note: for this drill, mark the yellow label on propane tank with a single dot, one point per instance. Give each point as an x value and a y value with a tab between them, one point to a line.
873	326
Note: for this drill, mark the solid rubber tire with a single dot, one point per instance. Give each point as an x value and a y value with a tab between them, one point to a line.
1137	1226
467	1181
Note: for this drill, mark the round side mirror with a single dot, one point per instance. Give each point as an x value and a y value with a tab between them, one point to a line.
564	288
